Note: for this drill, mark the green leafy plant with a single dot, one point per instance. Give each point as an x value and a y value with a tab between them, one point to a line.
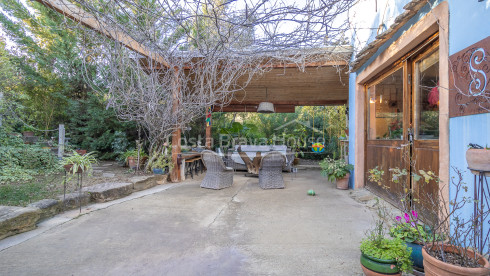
161	158
133	153
20	162
389	249
378	246
335	169
80	162
408	229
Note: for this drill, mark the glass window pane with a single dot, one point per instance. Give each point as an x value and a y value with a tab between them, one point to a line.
386	108
426	111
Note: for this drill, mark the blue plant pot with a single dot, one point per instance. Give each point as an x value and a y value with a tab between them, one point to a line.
158	171
416	256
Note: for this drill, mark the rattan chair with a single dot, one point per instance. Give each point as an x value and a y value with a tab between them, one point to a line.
218	176
270	172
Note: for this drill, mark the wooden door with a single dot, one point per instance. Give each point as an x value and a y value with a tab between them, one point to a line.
387	119
425	122
403	128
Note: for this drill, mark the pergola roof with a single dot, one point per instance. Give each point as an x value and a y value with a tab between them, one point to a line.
324	83
289	87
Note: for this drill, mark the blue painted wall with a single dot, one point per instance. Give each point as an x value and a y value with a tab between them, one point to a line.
469	23
352	124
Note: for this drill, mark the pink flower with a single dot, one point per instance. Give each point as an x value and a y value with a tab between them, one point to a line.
407	218
398	218
413	224
414	214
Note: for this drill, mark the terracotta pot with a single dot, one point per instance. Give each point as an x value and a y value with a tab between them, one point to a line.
28	133
478	159
296	161
375	267
81	152
435	267
132	162
343	183
69	167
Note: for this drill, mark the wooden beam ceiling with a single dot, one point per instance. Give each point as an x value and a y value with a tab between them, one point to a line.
326	85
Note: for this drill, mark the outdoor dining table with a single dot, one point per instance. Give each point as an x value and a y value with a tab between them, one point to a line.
188	160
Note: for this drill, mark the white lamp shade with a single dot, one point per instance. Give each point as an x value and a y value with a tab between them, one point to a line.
265	107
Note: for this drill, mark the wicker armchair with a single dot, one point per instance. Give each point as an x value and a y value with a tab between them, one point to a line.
270	172
218	176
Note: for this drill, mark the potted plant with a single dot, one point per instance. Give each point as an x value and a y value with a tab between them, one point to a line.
336	170
408	229
27	131
383	256
478	158
81	151
458	253
162	163
77	163
131	158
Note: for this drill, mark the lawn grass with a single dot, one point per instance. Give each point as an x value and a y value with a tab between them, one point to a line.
22	194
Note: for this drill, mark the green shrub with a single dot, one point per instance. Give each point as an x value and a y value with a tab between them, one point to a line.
20	162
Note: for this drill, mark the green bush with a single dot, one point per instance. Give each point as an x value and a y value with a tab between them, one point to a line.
20	162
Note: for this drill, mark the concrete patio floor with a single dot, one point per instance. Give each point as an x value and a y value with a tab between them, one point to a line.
187	230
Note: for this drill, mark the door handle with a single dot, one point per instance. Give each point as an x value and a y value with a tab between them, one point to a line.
410	134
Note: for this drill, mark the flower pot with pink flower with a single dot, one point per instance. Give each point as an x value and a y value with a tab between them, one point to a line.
408	229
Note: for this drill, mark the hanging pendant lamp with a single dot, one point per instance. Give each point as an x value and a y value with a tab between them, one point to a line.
265	107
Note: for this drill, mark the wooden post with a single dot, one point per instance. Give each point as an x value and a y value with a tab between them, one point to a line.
61	141
175	175
209	138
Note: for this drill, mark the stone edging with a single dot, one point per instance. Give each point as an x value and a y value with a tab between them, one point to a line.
15	220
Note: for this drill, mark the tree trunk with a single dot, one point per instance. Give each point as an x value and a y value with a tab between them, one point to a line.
253	166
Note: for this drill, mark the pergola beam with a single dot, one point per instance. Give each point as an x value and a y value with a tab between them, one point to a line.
87	19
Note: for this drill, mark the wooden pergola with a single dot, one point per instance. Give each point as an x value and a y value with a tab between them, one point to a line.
285	85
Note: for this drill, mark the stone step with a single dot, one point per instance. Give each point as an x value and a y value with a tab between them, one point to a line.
48	207
108	191
144	182
72	200
14	220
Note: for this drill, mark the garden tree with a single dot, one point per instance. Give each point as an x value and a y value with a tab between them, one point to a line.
51	74
43	57
8	81
193	54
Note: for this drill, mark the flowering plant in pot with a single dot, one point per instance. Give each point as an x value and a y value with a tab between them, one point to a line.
408	229
336	170
384	256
